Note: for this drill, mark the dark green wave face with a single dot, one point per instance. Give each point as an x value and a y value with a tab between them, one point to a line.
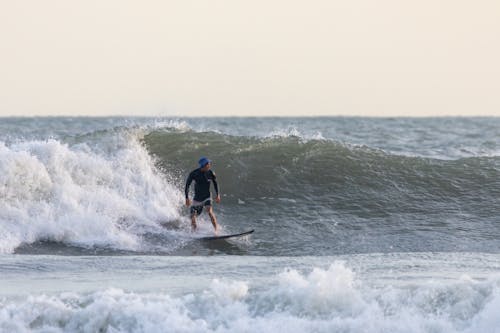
306	197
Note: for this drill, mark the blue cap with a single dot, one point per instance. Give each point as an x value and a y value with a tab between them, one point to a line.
203	161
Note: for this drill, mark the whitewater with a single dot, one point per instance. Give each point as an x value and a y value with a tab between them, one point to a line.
362	225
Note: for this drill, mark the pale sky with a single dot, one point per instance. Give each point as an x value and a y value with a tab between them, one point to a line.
250	58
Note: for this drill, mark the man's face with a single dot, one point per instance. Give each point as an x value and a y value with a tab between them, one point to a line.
206	167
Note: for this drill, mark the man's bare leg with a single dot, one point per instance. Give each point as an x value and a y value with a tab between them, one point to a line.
193	222
213	219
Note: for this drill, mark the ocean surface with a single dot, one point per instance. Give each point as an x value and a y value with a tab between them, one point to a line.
361	225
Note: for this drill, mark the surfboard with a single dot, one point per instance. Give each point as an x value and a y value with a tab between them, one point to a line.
209	238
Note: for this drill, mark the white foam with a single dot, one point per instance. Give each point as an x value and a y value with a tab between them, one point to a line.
81	195
229	291
292	131
488	319
321	291
176	124
324	300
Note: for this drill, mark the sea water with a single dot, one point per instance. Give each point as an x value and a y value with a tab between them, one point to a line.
361	225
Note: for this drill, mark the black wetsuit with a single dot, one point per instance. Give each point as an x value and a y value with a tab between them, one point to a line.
202	184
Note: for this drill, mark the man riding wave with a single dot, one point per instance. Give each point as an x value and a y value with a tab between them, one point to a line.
202	177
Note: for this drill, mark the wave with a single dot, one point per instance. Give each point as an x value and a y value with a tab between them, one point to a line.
325	171
411	139
117	188
322	300
82	195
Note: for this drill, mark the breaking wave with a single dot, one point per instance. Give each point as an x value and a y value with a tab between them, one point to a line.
322	300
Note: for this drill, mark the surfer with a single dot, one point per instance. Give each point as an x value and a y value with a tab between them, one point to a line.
202	177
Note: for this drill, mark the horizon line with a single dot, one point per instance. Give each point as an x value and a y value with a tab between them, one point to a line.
246	116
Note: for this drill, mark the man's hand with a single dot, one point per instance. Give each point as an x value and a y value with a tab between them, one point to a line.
217	198
188	202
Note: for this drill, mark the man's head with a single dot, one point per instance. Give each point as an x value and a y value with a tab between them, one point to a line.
204	163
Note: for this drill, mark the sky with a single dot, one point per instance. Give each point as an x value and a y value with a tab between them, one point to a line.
250	58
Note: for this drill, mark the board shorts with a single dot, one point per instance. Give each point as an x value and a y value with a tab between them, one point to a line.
197	206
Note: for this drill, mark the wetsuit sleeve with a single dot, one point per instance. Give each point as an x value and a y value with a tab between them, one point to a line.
216	186
189	180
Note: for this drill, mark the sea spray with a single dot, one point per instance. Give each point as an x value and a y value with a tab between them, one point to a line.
55	192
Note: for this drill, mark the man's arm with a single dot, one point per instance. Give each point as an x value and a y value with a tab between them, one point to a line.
216	187
189	180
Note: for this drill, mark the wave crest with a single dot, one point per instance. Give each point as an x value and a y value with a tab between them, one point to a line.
55	192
